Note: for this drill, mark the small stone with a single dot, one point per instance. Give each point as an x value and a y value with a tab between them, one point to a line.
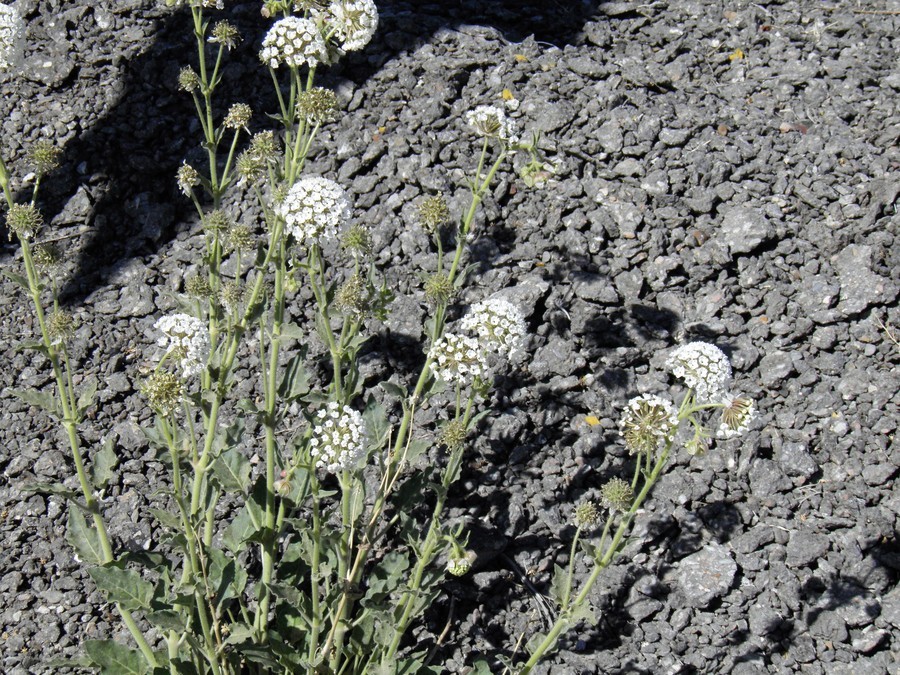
805	547
743	229
860	286
706	575
775	368
795	460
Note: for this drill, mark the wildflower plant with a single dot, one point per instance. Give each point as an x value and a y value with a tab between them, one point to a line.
322	557
651	429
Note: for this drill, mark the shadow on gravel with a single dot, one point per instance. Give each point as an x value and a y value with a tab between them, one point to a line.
118	176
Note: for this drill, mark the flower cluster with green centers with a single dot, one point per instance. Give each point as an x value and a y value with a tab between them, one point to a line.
338	440
737	413
294	42
164	391
703	367
314	208
318	105
186	338
648	423
458	359
12	39
353	23
491	122
499	325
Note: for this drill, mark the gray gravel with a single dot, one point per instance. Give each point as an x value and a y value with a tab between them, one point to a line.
747	199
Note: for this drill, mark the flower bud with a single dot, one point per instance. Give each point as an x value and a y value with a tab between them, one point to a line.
225	34
23	220
188	80
587	515
238	116
433	212
187	178
439	289
164	391
617	495
44	157
60	327
318	105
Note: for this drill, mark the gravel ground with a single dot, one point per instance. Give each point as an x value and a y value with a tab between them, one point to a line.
725	171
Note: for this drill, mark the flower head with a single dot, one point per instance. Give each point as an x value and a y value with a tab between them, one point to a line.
338	440
499	324
294	42
491	122
352	297
354	22
238	116
318	105
458	359
314	207
164	391
188	80
60	326
617	495
433	212
187	339
44	157
187	178
439	289
648	423
225	34
587	515
703	367
12	39
459	563
47	257
23	220
737	413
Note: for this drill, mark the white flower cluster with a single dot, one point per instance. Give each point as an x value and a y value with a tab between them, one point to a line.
338	440
187	338
703	367
12	39
314	207
458	359
648	423
498	323
491	121
354	21
294	42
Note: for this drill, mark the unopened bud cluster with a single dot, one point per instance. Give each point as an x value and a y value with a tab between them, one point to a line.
23	220
433	212
587	515
44	157
187	179
318	105
163	391
617	495
225	34
60	327
238	116
338	440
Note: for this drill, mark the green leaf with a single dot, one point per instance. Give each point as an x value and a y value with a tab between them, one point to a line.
31	345
232	470
39	399
295	382
115	659
105	460
16	278
167	518
78	662
558	584
480	667
244	526
292	331
393	389
583	612
226	577
84	538
417	446
86	397
376	422
166	619
53	489
124	587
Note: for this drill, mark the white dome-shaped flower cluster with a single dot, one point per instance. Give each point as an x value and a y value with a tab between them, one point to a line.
703	367
294	42
314	208
187	338
491	121
648	423
355	22
12	39
499	325
458	359
338	440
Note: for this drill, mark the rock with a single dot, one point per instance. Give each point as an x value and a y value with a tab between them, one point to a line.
706	575
805	547
743	229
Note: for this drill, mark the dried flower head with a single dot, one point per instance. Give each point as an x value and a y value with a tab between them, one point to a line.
47	257
338	440
294	42
239	237
453	434
352	297
587	515
439	289
187	178
648	423
458	565
231	296
318	105
23	220
188	80
433	212
491	122
60	326
357	240
703	367
617	495
252	163
197	286
164	391
499	325
737	413
354	23
12	39
314	208
186	338
43	156
238	116
458	359
225	34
